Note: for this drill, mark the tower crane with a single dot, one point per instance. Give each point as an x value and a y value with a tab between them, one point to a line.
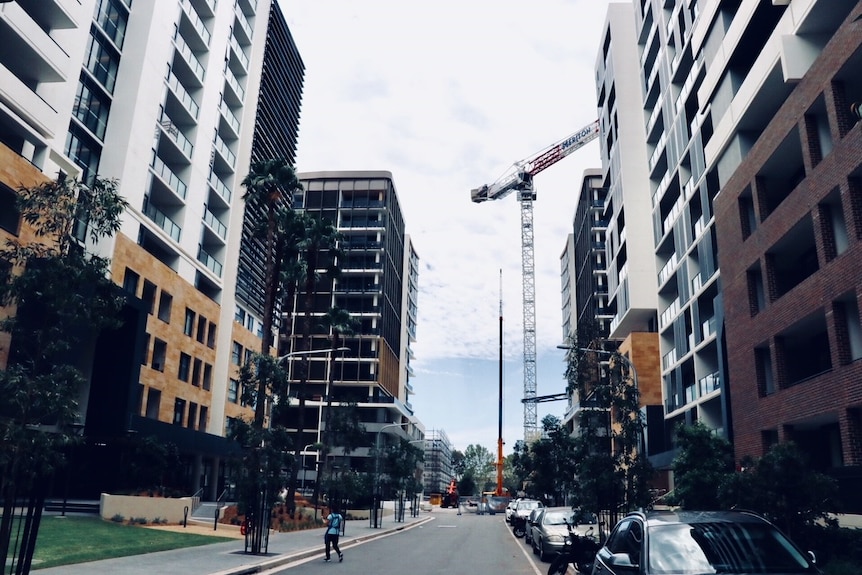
520	180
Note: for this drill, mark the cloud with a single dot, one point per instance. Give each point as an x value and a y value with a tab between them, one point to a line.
447	96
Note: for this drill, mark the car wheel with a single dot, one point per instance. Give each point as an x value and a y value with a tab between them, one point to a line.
535	550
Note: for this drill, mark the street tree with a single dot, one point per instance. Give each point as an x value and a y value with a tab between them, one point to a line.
56	298
613	472
704	462
319	249
552	463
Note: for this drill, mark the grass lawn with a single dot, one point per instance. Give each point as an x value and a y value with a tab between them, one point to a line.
63	541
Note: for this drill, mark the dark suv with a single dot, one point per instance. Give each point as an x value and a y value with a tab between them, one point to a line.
694	542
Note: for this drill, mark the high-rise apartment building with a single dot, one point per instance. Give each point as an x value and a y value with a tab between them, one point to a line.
163	96
438	461
745	110
377	285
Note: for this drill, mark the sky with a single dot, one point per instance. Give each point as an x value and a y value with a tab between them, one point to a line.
447	96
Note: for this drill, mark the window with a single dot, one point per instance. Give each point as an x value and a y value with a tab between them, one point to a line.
248	356
202	418
189	325
208	376
149	295
92	107
112	18
239	315
179	411
102	61
160	350
9	215
85	151
202	326
146	351
130	282
185	366
165	301
236	354
193	415
211	335
196	372
233	391
154	398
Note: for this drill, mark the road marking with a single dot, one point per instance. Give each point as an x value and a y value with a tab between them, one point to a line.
529	557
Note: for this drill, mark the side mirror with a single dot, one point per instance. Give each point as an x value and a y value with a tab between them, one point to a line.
623	561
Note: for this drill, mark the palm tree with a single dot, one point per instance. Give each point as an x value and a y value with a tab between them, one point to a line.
340	324
268	184
320	251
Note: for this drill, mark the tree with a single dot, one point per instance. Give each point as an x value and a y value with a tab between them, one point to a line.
783	487
339	323
704	462
58	297
319	248
267	184
552	462
479	463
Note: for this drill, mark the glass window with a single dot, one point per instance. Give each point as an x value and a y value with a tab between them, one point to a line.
84	151
92	107
236	354
102	62
233	391
202	326
179	411
112	18
185	367
165	303
130	281
9	215
189	325
154	398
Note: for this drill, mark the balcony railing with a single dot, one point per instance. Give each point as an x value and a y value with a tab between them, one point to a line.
213	222
162	220
243	21
209	261
234	84
243	59
220	188
183	95
228	115
189	56
226	153
163	171
173	131
196	21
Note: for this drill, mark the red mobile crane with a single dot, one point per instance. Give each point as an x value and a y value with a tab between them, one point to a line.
521	180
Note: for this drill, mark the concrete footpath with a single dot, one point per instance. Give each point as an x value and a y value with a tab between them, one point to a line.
229	558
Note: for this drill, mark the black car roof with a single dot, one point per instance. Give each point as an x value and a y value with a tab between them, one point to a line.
668	517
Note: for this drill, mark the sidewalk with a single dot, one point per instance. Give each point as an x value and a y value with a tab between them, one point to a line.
229	558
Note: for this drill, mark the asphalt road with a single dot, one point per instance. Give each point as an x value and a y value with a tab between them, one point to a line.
451	544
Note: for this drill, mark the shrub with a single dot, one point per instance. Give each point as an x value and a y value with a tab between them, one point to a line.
138	520
118	518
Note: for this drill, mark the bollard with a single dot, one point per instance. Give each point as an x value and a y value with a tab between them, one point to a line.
185	515
215	521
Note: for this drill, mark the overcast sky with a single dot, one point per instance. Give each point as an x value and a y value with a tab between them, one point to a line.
447	95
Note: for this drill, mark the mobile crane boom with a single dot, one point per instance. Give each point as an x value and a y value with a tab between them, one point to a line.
521	180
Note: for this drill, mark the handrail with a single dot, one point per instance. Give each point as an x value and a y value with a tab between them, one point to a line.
222	496
196	499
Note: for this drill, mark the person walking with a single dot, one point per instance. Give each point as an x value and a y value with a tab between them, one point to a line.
333	530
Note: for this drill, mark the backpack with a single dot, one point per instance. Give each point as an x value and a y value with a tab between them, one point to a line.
336	522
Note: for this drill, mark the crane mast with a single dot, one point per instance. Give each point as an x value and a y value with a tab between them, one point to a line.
521	180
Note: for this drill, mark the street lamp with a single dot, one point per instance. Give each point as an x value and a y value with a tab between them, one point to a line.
375	494
302	486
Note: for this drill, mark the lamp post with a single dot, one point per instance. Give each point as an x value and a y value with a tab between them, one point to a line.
376	485
302	485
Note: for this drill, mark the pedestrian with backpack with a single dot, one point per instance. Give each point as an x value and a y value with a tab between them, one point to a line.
334	522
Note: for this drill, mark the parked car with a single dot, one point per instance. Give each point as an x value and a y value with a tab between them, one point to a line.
727	542
532	519
510	509
549	534
519	516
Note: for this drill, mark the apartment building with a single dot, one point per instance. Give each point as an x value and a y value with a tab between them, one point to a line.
378	286
790	213
163	96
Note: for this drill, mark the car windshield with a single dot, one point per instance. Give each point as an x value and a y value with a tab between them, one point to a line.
557	517
528	504
722	547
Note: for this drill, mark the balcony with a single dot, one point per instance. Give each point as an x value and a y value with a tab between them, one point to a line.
209	261
237	49
168	177
166	127
196	22
195	68
28	50
244	27
229	118
162	220
38	115
220	188
183	96
236	89
215	224
226	153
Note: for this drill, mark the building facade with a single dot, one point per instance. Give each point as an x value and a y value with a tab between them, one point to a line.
163	97
791	215
438	461
378	286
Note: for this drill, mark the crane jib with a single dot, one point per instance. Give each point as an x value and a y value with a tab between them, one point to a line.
575	138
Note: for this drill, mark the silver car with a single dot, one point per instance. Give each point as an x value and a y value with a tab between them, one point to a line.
549	534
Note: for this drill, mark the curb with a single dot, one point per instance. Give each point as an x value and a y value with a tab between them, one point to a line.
285	559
